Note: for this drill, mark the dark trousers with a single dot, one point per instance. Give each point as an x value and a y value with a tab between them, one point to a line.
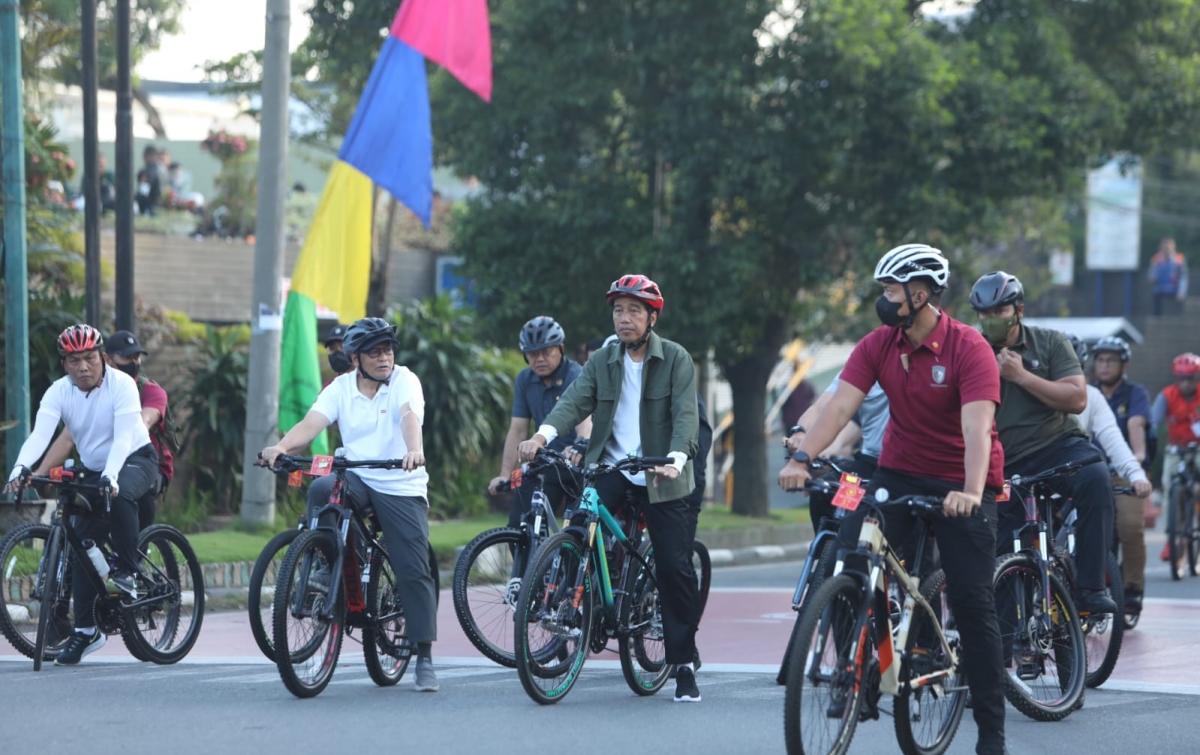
120	526
968	551
522	499
672	526
1091	490
405	524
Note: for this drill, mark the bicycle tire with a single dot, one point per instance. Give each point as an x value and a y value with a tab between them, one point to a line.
1103	634
823	565
386	648
1017	578
487	585
642	646
164	622
702	565
50	577
552	634
923	654
1178	503
832	612
21	552
263	581
306	573
1193	540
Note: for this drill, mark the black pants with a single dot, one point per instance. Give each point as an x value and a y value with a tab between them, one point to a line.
121	526
1091	490
405	524
522	498
672	526
968	550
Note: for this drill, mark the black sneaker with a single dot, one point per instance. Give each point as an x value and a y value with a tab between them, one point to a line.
686	690
122	582
1095	601
79	646
1133	600
696	664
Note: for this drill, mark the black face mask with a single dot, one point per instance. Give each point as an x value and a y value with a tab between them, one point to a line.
130	369
889	312
339	362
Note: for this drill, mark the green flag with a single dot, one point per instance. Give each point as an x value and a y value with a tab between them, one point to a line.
299	366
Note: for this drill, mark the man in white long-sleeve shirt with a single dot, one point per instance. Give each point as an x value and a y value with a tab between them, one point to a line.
103	412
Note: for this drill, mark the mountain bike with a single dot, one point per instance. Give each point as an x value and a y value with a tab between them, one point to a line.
1183	519
874	628
159	622
264	578
821	554
569	605
336	577
1045	656
487	577
1103	633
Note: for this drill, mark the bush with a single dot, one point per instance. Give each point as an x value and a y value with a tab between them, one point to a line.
467	390
216	410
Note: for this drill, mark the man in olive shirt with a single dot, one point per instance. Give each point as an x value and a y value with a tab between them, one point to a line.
641	393
1041	389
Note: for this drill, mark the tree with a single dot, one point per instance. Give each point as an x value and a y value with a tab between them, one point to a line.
50	48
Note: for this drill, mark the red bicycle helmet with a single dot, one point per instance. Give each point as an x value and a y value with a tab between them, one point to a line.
639	287
78	338
1186	365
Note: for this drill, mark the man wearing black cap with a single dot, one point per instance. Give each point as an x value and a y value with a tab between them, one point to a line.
338	361
123	351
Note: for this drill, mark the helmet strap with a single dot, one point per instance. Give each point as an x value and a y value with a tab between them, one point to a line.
912	309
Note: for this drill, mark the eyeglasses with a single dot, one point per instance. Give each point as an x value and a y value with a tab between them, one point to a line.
379	351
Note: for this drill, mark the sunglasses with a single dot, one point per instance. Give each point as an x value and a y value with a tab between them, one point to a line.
379	351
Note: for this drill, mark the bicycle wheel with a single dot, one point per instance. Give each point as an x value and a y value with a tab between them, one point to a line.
554	620
1044	656
21	588
823	562
928	714
307	645
487	584
702	565
261	597
50	578
642	648
161	625
1178	503
1193	541
1103	633
386	649
825	675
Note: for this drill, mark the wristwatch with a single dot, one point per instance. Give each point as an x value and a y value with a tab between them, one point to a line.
803	458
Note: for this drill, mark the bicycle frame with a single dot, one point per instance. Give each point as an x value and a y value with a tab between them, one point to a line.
347	530
599	517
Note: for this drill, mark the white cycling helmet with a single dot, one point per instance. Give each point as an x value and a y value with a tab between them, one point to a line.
904	263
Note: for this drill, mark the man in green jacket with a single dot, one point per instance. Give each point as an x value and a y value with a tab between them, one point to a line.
641	394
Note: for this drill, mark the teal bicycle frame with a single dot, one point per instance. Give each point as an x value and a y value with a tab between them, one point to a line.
598	515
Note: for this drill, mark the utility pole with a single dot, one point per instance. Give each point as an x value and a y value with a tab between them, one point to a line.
91	150
16	276
266	318
125	293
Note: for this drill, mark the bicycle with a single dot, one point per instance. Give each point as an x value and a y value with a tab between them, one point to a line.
871	629
1103	633
335	578
487	577
158	623
1183	520
568	605
820	559
264	579
1045	656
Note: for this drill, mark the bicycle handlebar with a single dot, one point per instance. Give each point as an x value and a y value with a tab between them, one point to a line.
930	504
70	478
815	485
628	464
1062	470
289	463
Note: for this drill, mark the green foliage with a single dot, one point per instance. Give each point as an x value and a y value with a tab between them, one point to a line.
467	390
216	410
187	512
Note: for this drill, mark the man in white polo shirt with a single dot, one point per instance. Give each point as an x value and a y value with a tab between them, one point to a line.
379	408
102	410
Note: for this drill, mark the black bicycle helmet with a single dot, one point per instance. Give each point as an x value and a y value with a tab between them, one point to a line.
367	333
541	333
336	333
996	289
1080	346
1114	345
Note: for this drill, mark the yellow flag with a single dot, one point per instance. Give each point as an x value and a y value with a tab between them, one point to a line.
334	268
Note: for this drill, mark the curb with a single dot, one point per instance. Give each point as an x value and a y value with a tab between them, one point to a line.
757	554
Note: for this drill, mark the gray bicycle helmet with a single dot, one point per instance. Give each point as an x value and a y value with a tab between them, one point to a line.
1114	345
336	333
541	333
367	333
1080	346
996	289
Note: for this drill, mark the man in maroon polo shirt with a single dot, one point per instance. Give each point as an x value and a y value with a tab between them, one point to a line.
943	386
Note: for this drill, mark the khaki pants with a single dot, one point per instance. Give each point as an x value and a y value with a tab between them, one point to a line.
1131	530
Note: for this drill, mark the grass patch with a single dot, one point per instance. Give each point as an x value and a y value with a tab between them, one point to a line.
227	545
448	535
721	518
